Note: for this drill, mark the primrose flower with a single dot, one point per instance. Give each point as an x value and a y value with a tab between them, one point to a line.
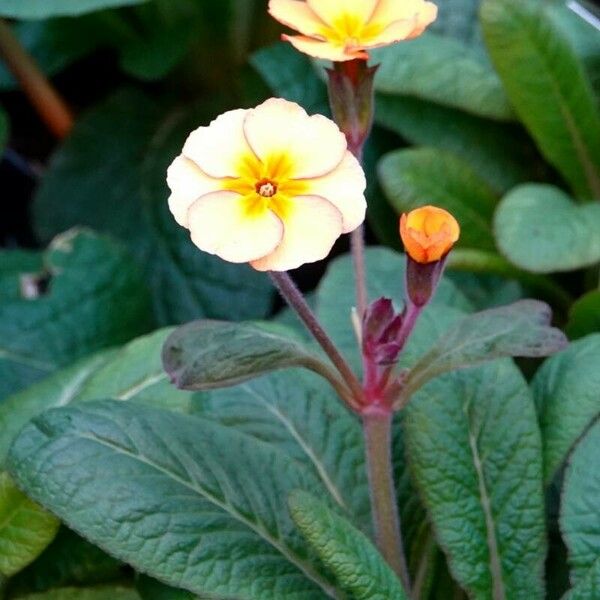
270	186
341	30
428	233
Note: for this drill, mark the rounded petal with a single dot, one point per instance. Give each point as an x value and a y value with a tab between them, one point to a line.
324	50
389	11
344	187
297	15
311	227
397	31
312	146
187	183
332	11
426	17
220	224
219	148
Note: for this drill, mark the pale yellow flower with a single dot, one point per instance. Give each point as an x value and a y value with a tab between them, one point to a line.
341	30
271	186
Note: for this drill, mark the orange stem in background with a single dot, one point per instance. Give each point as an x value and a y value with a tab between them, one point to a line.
42	95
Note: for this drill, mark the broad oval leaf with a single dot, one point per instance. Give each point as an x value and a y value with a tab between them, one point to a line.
192	503
359	568
45	9
25	528
407	182
566	393
96	298
579	519
584	315
559	110
474	449
540	229
519	329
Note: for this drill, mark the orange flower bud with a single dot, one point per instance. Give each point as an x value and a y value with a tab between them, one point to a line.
428	233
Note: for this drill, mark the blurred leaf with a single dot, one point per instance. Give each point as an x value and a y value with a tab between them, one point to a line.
183	499
77	593
566	393
486	291
44	9
540	229
559	109
95	298
25	528
442	70
111	173
359	568
457	19
519	329
13	265
499	152
406	177
204	355
151	589
579	520
584	317
475	451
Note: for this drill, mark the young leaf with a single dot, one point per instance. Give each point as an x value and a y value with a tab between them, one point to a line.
406	179
95	298
185	500
45	9
566	393
579	520
205	355
540	229
519	329
25	528
359	568
559	110
474	449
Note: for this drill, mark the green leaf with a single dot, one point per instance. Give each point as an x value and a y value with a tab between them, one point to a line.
129	139
359	568
501	153
559	110
442	70
299	414
584	316
519	329
205	355
76	593
566	393
25	528
540	229
407	182
579	521
474	449
14	265
183	499
133	372
96	298
44	9
150	589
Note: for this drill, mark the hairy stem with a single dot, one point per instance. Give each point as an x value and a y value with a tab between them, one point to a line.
357	243
42	95
293	296
377	430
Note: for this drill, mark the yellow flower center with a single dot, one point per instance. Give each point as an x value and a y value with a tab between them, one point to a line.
351	32
266	188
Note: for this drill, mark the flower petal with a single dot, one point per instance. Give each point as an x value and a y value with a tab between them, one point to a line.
187	183
389	11
427	15
331	11
220	224
218	148
312	225
399	30
313	146
344	187
323	50
297	15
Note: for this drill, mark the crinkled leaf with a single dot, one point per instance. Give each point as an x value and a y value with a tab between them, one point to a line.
95	298
540	229
25	528
358	567
584	315
566	393
44	9
183	499
475	451
407	182
93	593
442	70
559	107
579	518
519	329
